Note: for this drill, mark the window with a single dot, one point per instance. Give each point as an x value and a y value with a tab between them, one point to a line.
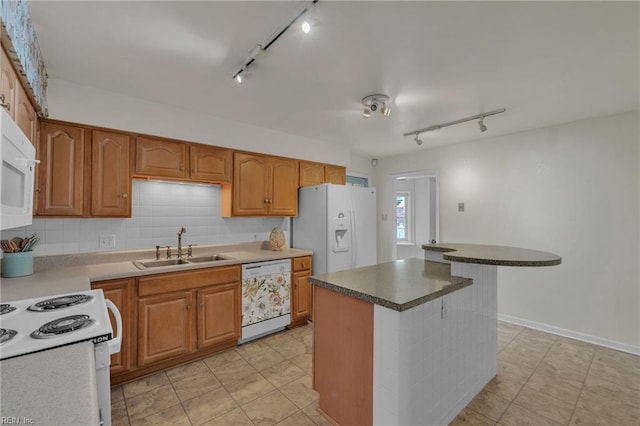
402	216
357	181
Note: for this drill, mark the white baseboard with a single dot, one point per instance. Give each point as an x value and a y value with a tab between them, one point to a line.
635	350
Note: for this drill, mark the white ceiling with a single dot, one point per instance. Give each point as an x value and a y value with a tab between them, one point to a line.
545	62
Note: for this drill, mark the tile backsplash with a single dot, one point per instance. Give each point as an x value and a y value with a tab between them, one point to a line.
159	209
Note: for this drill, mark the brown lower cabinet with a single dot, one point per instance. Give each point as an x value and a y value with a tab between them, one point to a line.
301	295
122	293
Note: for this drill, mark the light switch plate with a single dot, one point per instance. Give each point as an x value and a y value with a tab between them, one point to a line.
460	207
108	241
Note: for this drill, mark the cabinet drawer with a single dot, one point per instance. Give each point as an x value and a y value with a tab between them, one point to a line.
301	263
180	281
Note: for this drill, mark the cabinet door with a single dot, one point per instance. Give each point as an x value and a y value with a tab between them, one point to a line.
311	173
210	163
301	297
8	82
25	114
61	177
283	187
161	158
219	314
165	326
335	174
120	292
249	184
110	174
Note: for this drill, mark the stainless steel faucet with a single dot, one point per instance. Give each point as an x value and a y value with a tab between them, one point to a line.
180	232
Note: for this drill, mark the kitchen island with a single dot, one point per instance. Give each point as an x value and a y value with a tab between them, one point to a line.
411	341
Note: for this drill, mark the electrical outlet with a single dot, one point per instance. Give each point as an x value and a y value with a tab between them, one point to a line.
460	207
108	241
444	309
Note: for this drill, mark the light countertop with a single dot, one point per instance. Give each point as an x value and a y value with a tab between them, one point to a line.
494	255
69	273
51	390
398	285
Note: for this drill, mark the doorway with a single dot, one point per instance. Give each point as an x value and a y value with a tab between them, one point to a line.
416	219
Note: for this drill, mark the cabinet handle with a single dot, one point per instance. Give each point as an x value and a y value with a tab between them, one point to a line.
188	306
38	190
4	104
124	195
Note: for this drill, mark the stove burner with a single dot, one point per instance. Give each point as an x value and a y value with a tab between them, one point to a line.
6	335
5	308
62	325
60	302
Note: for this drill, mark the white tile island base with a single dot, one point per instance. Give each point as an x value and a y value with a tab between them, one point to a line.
430	361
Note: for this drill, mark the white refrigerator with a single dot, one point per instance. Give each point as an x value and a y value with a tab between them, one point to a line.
338	223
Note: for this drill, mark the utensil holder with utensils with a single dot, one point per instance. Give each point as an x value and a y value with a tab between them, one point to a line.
17	264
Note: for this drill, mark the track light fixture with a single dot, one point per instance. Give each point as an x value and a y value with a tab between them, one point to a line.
373	103
306	27
480	117
417	139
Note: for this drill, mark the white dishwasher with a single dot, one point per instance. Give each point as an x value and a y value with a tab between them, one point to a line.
266	303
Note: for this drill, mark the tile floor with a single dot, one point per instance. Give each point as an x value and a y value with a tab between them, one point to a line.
542	379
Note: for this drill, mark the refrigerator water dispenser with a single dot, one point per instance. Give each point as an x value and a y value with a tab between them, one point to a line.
341	234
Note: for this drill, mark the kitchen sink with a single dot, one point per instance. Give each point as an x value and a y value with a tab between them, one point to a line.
149	264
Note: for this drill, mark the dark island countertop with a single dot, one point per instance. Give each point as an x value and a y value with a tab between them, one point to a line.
494	255
398	285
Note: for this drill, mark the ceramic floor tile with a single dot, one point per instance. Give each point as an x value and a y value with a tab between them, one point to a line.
469	417
300	392
489	405
249	388
582	417
297	419
145	385
233	371
520	416
537	337
565	369
545	380
173	416
209	406
119	416
252	348
266	359
277	339
305	362
605	407
515	371
504	386
117	394
283	373
151	402
291	349
524	363
187	370
311	411
612	391
269	409
190	387
544	405
616	367
235	417
222	358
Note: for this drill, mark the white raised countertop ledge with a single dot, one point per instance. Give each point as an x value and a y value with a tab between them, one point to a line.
68	273
54	387
398	285
494	255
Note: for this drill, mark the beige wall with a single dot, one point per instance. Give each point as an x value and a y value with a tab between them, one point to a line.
570	189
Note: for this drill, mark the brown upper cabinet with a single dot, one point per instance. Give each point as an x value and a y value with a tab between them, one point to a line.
14	99
110	174
312	173
60	188
181	160
262	186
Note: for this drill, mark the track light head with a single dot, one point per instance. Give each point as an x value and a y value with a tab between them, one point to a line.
483	128
238	77
306	27
418	140
367	112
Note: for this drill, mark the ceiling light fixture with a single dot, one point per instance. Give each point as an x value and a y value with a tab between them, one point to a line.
480	117
373	103
417	139
306	27
259	47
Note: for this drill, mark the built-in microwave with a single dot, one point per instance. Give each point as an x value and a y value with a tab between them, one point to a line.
17	159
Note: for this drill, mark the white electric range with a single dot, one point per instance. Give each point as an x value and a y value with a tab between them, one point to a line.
44	323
